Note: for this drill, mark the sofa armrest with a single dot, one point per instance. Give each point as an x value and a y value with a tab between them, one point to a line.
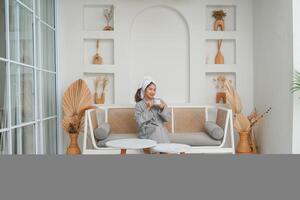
221	118
224	119
92	122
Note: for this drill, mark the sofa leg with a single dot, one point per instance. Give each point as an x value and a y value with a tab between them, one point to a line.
123	151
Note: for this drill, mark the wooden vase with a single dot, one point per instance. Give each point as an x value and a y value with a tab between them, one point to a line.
97	58
221	97
73	148
108	28
219	59
101	99
244	145
219	23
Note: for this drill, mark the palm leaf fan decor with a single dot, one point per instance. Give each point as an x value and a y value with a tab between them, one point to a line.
77	99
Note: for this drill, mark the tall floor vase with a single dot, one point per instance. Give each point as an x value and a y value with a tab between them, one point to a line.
73	148
244	145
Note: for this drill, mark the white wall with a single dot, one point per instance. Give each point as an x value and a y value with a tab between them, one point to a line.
192	38
161	50
273	68
296	115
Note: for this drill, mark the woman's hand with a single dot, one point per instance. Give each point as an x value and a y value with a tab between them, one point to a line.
162	105
149	105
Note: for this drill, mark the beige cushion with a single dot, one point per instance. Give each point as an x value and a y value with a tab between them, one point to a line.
194	139
121	120
189	120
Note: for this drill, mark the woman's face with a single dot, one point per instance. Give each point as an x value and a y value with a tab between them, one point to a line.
150	91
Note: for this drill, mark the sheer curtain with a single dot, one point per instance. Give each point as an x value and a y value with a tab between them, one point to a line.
3	83
3	106
22	77
48	78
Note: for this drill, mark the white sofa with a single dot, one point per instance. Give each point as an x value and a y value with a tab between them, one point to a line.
186	126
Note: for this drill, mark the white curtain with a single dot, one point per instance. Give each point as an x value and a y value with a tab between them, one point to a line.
3	105
22	88
3	84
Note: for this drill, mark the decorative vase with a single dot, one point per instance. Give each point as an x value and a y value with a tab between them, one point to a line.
221	97
244	145
108	28
219	59
108	14
219	23
97	60
73	148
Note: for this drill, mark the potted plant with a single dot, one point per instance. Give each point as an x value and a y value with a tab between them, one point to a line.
108	14
296	82
77	99
219	19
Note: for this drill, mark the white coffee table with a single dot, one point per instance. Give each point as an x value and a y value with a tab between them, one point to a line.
131	143
171	148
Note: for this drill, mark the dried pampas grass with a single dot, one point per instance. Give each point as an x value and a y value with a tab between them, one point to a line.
233	97
241	122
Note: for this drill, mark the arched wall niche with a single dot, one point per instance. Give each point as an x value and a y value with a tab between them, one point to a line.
160	48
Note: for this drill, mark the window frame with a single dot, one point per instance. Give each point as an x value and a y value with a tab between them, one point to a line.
38	119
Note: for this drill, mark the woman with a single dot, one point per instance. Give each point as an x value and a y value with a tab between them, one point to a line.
150	118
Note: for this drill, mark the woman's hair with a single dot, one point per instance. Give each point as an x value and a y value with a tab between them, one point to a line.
137	96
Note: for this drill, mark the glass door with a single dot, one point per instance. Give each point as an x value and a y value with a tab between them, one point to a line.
28	77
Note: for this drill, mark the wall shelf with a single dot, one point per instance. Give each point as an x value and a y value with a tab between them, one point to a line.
107	51
221	68
230	19
99	68
228	50
98	34
211	89
110	87
93	17
220	35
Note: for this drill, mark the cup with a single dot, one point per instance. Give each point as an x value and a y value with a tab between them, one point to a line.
156	102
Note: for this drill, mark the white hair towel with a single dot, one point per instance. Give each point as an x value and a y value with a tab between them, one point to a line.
145	83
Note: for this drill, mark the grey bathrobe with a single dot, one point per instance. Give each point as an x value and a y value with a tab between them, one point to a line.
151	123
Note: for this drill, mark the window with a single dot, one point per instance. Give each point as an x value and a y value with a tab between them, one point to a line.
28	77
